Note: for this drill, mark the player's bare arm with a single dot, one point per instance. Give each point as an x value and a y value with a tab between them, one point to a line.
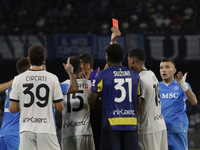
58	106
190	95
92	98
115	34
5	86
14	107
73	83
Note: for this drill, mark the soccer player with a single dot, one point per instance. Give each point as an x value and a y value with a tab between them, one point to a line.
9	134
76	127
152	133
86	65
5	86
88	73
37	90
174	91
120	88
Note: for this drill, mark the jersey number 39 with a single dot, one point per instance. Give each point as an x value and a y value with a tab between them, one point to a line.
43	100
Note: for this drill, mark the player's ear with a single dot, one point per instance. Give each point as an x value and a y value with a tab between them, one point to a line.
87	66
132	59
175	70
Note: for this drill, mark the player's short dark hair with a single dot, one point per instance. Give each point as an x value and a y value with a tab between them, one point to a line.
87	58
168	60
115	53
76	63
22	65
137	53
36	54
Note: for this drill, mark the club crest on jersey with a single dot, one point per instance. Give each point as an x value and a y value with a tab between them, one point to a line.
176	88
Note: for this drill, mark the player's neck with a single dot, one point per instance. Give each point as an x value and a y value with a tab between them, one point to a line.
168	81
142	68
115	64
36	68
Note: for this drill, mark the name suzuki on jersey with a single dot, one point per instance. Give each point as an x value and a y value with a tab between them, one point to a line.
169	95
36	78
123	112
35	120
121	73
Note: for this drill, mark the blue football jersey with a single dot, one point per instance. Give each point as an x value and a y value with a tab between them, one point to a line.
173	107
120	87
10	124
64	88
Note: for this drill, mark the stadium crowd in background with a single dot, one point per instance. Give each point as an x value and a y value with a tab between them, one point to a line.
61	16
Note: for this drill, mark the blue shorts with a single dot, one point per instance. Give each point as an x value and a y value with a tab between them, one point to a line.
10	142
119	140
177	141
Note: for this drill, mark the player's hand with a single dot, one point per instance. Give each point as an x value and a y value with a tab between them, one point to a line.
83	75
68	67
180	76
181	80
115	34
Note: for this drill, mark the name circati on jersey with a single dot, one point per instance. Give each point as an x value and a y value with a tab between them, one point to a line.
121	73
36	78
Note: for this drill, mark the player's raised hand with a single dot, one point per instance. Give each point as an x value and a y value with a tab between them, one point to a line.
115	34
180	76
68	67
181	80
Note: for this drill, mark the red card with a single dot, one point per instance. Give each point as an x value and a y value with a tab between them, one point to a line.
115	23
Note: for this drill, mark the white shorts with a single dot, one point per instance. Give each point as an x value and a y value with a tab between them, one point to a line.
38	141
81	142
153	141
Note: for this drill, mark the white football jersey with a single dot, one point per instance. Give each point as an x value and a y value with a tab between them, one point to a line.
76	113
150	118
36	91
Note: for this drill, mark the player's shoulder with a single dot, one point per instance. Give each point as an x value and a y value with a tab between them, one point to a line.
148	75
19	76
50	74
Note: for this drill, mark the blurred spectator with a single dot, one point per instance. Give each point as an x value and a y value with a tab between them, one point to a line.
60	16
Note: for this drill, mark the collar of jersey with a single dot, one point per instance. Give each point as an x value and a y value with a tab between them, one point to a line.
173	82
36	70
